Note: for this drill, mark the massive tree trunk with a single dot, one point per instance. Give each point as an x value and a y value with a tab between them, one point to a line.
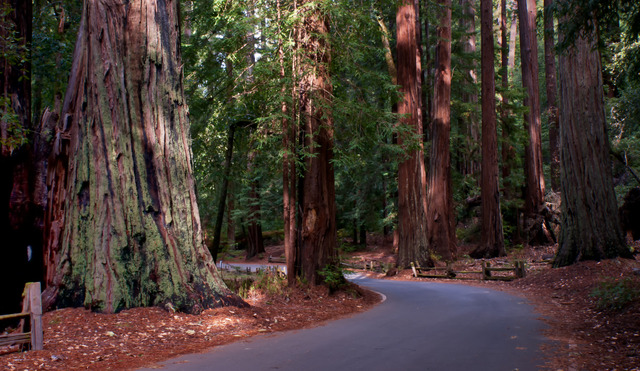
319	234
20	211
123	228
534	178
492	243
412	234
590	223
470	165
440	217
552	93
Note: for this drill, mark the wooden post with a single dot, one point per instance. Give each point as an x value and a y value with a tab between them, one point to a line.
35	307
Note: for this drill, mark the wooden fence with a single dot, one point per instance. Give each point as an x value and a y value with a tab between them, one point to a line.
31	308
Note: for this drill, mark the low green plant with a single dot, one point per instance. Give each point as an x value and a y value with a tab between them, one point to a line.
270	281
333	277
615	294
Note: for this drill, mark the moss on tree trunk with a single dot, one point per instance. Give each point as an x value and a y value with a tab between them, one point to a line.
123	228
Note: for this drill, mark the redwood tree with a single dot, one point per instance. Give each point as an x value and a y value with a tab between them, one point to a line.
590	227
412	234
492	243
123	228
440	216
552	93
317	200
534	178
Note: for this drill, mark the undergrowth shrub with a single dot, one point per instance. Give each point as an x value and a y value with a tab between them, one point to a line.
615	294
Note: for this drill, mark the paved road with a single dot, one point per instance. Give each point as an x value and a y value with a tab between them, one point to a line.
421	326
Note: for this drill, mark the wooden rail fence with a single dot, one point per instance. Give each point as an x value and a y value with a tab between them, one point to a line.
32	308
518	270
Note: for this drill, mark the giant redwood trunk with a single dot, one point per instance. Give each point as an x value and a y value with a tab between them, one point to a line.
412	234
534	178
492	243
440	217
552	93
590	228
319	234
123	228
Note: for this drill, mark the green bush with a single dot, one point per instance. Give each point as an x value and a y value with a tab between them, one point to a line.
615	294
333	277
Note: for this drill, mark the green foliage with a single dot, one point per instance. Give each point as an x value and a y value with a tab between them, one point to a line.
268	281
615	294
333	277
52	50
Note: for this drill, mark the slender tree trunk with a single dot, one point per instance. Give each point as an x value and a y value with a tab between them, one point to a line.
412	243
552	93
513	34
492	243
231	226
256	242
440	217
319	235
470	165
590	223
288	168
222	200
123	228
534	178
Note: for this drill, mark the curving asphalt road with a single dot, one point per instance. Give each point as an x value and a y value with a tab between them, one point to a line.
420	326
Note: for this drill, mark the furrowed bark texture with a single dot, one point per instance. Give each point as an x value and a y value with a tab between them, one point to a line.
440	217
492	243
319	235
534	178
590	227
412	233
123	223
552	94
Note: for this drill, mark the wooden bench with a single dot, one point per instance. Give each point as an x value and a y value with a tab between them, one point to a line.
276	259
518	270
32	308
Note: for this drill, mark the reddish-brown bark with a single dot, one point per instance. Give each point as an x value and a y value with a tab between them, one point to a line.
534	178
492	242
412	237
123	228
469	164
590	227
440	216
319	234
552	94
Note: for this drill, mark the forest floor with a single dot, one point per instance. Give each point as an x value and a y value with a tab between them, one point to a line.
584	337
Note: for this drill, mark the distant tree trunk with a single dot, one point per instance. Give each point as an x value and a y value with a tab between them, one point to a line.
256	242
552	93
492	243
412	243
288	168
222	200
231	227
513	34
123	228
534	178
590	223
470	165
319	234
20	213
508	152
440	217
